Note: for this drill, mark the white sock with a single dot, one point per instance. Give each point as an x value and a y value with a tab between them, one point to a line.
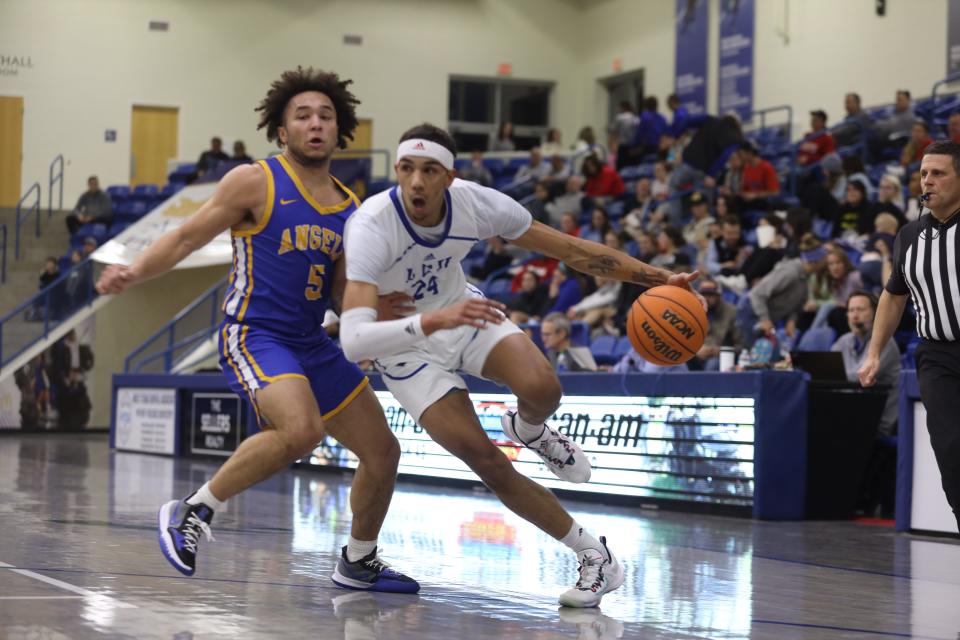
579	539
526	431
357	549
204	496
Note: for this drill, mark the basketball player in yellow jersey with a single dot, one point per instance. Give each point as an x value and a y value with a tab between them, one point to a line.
411	240
286	216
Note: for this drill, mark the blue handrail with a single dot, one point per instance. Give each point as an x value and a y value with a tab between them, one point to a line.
3	261
166	333
59	300
35	187
940	83
55	178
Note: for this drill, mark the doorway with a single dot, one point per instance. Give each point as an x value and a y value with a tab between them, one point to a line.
153	141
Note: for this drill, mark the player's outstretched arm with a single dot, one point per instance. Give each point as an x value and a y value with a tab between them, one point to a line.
598	259
240	191
364	338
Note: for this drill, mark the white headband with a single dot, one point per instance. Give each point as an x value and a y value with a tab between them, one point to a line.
426	149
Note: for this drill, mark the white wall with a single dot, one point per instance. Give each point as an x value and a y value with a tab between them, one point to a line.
94	59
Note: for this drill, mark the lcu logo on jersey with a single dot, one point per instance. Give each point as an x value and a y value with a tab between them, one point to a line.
311	236
425	281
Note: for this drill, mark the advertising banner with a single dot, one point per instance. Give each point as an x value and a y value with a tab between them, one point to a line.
690	81
736	58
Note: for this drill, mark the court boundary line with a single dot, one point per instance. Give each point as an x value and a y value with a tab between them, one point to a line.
66	586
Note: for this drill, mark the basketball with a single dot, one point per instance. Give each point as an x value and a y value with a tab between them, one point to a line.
667	325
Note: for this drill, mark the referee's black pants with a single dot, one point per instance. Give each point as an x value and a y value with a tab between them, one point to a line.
938	375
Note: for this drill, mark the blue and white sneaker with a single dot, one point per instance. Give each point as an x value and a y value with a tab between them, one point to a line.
370	573
180	525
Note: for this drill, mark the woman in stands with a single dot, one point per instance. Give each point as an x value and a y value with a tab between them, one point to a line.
829	290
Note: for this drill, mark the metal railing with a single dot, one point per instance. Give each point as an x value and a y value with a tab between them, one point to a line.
3	259
55	178
21	217
198	319
33	319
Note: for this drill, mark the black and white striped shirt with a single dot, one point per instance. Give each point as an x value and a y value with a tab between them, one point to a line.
926	266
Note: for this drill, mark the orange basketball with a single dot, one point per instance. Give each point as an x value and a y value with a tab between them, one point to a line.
667	325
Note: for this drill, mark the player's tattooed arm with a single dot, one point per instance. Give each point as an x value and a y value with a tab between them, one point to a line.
591	257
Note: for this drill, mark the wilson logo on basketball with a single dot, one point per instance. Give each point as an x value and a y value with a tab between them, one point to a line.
678	323
661	347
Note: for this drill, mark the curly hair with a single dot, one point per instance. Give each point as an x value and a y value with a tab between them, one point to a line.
292	83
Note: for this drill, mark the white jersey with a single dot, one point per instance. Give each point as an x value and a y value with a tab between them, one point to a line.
383	247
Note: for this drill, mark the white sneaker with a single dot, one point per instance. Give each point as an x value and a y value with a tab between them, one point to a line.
600	573
563	457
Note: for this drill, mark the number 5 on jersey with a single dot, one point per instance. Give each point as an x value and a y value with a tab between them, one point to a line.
315	282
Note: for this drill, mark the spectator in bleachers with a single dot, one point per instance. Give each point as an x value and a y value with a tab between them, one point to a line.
705	156
598	307
855	125
602	181
531	299
760	184
919	140
93	206
598	226
660	186
212	157
536	169
565	290
879	482
50	272
638	208
48	275
537	206
697	231
88	247
726	254
570	201
781	294
552	145
890	197
853	169
476	171
953	126
570	224
620	133
771	249
646	246
646	138
504	140
731	178
69	361
900	122
563	356
78	284
818	142
876	262
240	153
587	145
669	242
723	207
678	124
856	212
559	172
912	209
497	256
722	331
828	290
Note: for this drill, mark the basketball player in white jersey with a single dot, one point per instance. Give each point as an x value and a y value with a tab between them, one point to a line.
411	239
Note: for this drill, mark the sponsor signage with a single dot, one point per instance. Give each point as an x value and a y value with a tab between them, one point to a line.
683	448
216	423
146	420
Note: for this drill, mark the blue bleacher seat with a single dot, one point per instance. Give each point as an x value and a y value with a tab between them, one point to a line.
514	164
118	193
623	347
170	188
498	289
579	333
602	349
460	163
494	165
817	340
821	228
146	190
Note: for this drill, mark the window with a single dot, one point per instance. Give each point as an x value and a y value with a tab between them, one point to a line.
477	106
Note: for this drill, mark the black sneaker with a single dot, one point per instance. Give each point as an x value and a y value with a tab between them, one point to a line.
370	573
180	525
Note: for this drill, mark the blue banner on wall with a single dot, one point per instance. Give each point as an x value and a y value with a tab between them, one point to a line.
953	37
736	57
353	172
690	81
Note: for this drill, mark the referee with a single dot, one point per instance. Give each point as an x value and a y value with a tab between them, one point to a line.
926	267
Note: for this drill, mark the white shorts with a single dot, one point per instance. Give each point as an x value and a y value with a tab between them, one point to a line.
420	377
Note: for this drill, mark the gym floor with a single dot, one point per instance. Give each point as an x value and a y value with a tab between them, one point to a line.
79	559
